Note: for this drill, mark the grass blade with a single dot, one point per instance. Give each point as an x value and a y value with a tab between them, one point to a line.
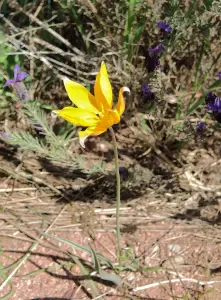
83	248
114	278
3	275
86	273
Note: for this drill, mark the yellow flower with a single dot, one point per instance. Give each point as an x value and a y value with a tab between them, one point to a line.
94	112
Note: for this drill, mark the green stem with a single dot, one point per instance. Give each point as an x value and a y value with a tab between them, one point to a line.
118	193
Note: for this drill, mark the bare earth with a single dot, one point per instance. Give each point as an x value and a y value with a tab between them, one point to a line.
177	251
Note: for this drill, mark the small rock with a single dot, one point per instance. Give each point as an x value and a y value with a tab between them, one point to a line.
177	260
174	248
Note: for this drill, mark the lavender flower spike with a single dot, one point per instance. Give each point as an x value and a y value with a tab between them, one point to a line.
219	74
18	85
200	127
164	26
5	135
152	57
18	76
146	92
146	89
155	50
216	106
210	98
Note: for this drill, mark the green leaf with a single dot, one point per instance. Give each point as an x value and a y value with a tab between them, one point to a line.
96	262
48	107
8	295
195	105
80	247
215	85
3	275
145	127
85	272
111	277
139	30
114	278
179	106
126	268
208	3
191	9
199	64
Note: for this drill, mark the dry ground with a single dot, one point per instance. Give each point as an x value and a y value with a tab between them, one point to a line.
170	217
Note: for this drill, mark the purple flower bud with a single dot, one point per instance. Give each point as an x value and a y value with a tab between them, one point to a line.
216	106
164	26
219	74
18	85
38	128
210	98
5	135
123	173
145	88
200	128
153	51
21	91
18	76
147	92
152	57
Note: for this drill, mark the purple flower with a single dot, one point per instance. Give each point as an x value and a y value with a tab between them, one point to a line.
18	76
153	51
18	85
200	128
164	26
152	57
215	106
210	98
219	74
38	128
5	135
146	92
146	89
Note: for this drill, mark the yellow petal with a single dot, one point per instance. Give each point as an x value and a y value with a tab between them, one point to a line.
103	90
110	118
83	135
120	107
78	116
80	96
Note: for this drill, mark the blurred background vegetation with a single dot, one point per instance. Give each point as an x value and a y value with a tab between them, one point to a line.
51	39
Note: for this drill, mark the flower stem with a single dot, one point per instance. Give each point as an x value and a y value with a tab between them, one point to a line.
118	193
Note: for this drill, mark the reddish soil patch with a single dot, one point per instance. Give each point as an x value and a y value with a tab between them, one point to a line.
164	251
